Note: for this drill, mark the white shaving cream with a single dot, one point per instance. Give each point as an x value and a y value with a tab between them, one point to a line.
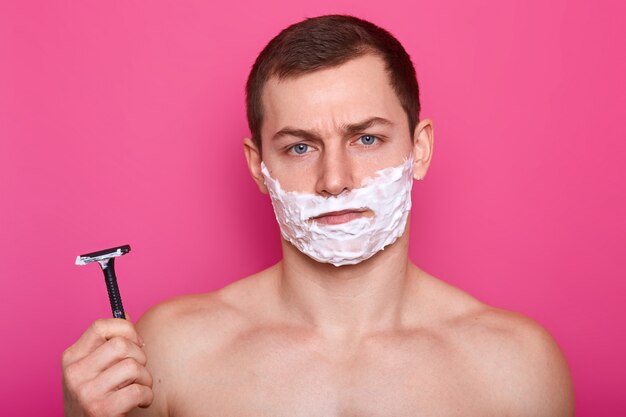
387	194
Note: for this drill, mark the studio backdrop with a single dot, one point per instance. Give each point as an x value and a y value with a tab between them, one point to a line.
122	122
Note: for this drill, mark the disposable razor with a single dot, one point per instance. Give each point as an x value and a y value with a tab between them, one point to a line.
106	259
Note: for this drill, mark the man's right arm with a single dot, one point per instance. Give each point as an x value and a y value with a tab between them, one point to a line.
153	328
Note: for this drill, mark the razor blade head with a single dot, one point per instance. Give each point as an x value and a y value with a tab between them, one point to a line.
102	255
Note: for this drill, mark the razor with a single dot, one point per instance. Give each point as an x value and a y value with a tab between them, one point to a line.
106	259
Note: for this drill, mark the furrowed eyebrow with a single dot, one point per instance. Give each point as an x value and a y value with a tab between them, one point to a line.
349	129
299	133
359	127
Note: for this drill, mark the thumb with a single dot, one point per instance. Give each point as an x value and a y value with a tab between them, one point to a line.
127	315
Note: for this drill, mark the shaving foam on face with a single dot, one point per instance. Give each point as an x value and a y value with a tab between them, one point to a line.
387	194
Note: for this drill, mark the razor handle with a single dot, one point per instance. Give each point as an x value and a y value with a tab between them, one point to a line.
113	290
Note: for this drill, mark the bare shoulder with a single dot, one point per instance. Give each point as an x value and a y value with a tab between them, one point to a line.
525	366
516	360
206	320
190	329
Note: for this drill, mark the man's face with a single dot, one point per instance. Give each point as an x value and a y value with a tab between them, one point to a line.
326	131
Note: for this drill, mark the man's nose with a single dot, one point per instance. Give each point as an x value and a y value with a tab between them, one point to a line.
335	175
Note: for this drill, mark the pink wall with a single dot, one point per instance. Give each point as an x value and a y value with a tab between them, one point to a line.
122	122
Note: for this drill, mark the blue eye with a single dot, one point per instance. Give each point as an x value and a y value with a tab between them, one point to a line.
368	139
300	148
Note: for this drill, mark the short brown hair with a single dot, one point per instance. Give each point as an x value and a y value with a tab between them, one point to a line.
324	42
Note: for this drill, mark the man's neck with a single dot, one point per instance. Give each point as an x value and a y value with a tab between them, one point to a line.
347	301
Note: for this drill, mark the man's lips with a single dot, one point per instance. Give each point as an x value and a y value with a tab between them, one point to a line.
338	217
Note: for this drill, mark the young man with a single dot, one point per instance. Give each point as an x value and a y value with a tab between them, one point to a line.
339	327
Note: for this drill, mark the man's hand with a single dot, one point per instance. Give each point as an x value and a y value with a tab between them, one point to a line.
104	372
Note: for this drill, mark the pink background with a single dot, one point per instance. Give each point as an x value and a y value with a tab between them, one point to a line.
122	122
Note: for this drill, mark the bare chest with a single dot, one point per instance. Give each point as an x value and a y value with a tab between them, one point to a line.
285	378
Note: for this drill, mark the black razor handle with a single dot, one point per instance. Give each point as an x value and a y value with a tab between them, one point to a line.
113	290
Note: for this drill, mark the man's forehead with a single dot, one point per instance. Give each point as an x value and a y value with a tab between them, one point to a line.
349	93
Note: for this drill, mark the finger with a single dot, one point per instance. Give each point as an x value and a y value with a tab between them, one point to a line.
106	355
129	397
98	333
109	353
122	374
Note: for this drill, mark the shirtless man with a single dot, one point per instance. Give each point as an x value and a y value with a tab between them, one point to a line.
331	101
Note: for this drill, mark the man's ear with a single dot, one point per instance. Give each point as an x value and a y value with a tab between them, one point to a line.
253	157
423	139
